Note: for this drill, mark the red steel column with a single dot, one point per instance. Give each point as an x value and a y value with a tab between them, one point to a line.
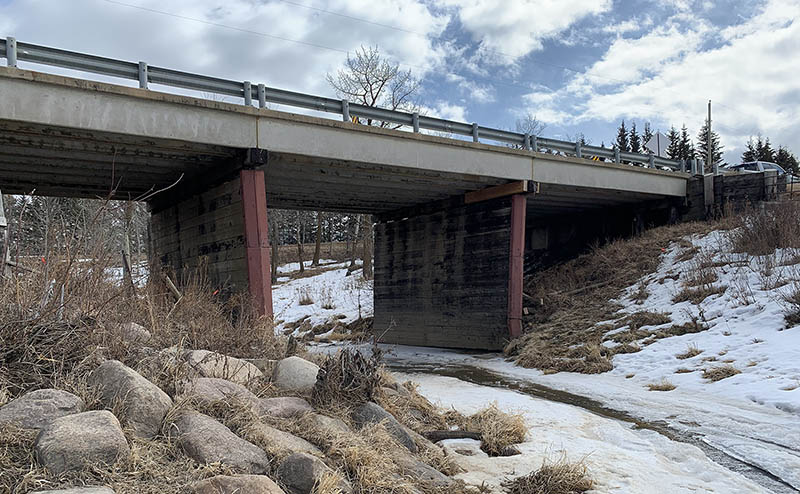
515	268
256	238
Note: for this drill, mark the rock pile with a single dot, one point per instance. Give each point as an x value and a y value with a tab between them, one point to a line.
265	456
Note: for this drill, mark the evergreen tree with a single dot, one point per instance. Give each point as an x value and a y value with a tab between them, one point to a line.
787	160
674	147
764	151
633	139
702	144
646	136
622	138
750	154
686	146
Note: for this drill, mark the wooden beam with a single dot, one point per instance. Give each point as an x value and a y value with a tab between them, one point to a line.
254	206
509	189
515	265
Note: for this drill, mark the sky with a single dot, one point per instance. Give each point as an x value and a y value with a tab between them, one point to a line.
578	66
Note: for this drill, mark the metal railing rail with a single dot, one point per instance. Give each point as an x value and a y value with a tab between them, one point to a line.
14	51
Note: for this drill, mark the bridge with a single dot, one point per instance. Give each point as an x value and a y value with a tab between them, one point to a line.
455	217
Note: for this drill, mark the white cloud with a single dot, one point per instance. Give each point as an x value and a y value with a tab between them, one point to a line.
252	49
507	31
472	90
447	111
670	74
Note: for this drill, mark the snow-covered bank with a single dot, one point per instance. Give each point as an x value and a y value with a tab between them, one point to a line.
746	326
331	295
620	459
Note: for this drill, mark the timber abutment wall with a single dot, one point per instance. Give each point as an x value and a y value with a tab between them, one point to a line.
711	196
445	273
220	233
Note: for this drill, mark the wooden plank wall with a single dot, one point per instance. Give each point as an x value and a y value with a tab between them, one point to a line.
441	277
207	228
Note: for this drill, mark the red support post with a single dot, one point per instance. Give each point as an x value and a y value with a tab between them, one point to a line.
515	269
256	237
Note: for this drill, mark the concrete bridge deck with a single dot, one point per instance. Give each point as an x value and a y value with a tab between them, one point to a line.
70	137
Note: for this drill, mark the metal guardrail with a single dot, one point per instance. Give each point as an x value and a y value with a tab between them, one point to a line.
14	51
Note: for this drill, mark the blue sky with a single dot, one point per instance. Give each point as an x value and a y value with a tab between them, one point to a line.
579	66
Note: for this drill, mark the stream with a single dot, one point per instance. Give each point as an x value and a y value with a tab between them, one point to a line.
483	377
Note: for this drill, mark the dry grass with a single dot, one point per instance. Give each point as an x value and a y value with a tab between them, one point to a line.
560	477
691	351
570	300
683	370
791	303
719	373
664	385
698	294
499	430
304	296
760	232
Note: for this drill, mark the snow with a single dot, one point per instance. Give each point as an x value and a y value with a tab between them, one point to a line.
619	458
335	295
753	416
746	329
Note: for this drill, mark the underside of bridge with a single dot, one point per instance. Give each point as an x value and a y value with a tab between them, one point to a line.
453	218
449	248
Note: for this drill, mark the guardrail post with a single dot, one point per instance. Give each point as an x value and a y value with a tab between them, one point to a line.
715	168
248	93
534	143
345	110
142	75
262	96
11	52
474	132
415	121
578	152
701	167
683	166
693	167
616	155
651	161
526	141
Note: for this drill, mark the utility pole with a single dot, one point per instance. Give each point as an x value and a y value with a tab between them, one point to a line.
709	156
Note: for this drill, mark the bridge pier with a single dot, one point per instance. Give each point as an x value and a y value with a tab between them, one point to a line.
222	232
449	273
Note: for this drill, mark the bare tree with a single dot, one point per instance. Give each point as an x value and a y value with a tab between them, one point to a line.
370	79
529	124
318	244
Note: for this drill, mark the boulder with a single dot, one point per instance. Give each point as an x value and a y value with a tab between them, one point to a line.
212	364
300	472
79	440
333	425
413	468
143	404
207	441
295	375
213	389
79	490
131	332
279	443
265	365
239	484
285	406
38	408
370	413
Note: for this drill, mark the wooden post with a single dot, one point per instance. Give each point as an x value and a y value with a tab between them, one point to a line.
515	269
254	205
